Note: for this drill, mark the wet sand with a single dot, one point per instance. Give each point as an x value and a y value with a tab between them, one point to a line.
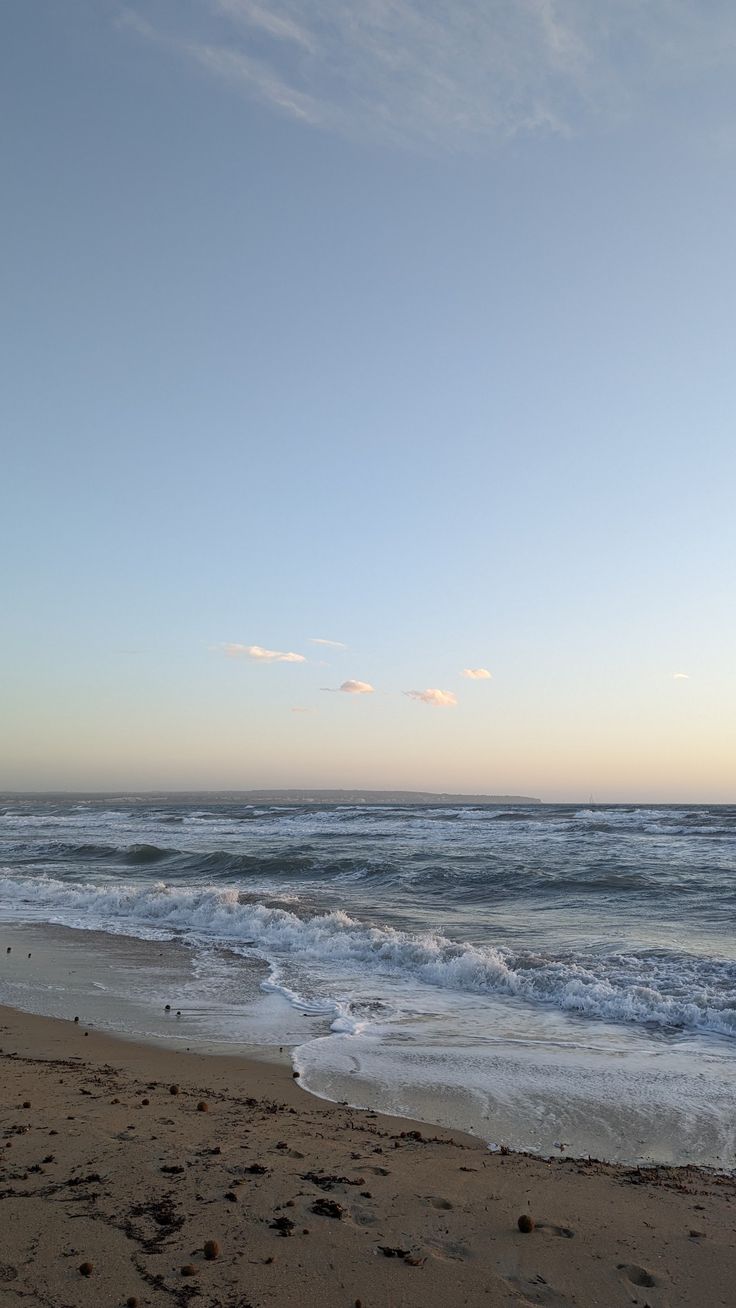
104	1169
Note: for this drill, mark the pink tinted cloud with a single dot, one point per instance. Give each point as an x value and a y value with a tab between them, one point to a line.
437	698
260	655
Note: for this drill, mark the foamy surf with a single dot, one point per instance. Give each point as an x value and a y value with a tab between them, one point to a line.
639	1106
498	969
672	992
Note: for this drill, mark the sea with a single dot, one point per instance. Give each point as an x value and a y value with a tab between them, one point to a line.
554	978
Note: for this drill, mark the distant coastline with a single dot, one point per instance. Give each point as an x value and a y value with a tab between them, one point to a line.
295	796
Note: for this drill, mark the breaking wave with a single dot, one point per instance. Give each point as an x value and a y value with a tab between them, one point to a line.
660	988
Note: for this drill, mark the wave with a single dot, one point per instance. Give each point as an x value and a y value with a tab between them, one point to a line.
667	990
465	876
145	854
218	862
89	852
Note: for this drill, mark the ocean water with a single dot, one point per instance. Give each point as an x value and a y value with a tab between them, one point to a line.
555	978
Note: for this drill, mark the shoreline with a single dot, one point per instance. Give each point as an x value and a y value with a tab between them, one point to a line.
378	1209
533	1096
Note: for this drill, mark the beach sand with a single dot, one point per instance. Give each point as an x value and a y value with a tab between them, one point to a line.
310	1203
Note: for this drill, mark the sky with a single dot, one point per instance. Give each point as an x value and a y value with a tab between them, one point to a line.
393	338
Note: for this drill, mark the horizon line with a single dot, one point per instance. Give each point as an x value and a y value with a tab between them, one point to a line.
442	795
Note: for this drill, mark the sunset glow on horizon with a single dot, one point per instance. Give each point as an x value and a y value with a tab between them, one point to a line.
370	430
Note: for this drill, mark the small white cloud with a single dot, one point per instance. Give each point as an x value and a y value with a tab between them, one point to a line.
477	674
260	655
333	644
357	688
437	698
680	676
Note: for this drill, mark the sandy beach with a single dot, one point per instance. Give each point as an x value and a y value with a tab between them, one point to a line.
113	1183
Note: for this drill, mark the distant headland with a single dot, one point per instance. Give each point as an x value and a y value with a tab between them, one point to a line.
413	797
378	797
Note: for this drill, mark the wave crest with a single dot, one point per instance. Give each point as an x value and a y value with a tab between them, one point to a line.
665	990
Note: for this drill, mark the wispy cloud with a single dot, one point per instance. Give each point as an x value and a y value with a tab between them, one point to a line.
425	71
267	18
680	676
477	674
437	698
243	70
260	655
333	644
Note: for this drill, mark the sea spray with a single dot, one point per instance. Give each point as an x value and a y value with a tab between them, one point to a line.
671	991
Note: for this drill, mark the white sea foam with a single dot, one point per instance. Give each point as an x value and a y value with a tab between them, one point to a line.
634	1108
664	990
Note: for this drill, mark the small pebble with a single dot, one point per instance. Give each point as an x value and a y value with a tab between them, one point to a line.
131	1301
167	1008
525	1223
203	1107
211	1249
189	1270
26	1103
145	1103
86	1269
173	1089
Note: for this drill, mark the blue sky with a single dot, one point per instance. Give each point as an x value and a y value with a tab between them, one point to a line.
408	327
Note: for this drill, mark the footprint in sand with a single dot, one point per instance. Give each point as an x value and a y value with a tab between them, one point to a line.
437	1201
537	1290
451	1250
566	1232
362	1217
638	1275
